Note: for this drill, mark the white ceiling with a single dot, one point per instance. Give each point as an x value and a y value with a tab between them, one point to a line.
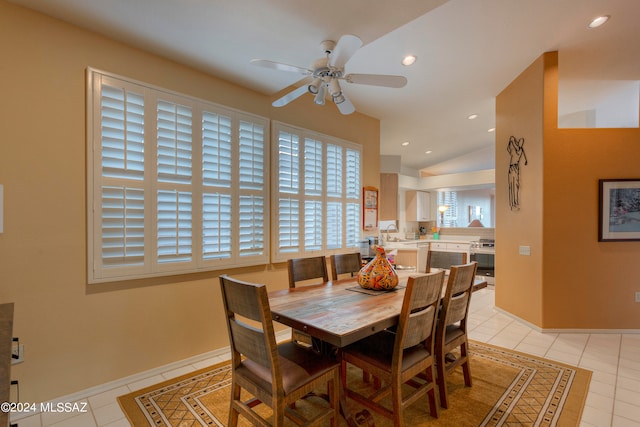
468	51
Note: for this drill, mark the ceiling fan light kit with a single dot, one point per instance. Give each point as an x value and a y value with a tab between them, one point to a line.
314	87
319	99
328	71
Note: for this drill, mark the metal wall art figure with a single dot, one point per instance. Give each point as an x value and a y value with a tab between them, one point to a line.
515	148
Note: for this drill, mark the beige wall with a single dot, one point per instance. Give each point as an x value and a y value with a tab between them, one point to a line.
571	281
78	336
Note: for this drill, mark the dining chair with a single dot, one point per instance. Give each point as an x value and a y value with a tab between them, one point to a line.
444	259
345	264
451	331
276	375
399	358
302	269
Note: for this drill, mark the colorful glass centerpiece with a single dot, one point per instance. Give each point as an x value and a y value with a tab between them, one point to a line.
378	274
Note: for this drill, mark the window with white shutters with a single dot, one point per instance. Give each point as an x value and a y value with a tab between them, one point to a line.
449	199
317	193
175	184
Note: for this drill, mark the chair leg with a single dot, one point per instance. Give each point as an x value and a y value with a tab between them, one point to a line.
396	396
343	374
278	413
233	412
334	400
441	380
466	366
431	394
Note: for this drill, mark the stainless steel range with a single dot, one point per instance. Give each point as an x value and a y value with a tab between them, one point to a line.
483	252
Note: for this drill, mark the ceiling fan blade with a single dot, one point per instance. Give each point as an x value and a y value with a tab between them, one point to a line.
280	66
377	80
346	107
294	94
344	50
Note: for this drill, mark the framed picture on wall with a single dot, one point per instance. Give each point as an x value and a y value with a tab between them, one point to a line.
619	211
369	208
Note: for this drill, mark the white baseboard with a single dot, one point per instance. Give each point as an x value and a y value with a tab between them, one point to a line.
83	395
567	331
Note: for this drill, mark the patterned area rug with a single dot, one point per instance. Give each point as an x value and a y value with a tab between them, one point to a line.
509	389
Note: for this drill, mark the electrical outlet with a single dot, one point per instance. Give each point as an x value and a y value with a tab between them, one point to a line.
525	250
637	296
17	353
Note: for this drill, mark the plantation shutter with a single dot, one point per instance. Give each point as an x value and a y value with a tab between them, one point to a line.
313	190
252	220
177	185
334	192
217	184
122	167
352	195
174	169
334	171
317	197
288	190
334	225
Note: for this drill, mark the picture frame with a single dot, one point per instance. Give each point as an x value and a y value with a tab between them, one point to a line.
369	208
619	210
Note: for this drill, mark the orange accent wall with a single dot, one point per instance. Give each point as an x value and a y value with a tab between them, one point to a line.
571	281
519	113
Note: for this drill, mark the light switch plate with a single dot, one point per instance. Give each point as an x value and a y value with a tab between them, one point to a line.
525	250
637	296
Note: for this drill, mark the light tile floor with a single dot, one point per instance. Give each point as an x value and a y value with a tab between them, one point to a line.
614	393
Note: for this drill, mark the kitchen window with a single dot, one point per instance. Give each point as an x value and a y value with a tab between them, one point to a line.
317	193
175	184
450	199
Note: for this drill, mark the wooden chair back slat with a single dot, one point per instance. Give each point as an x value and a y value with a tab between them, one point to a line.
419	309
306	269
457	309
423	304
345	264
444	259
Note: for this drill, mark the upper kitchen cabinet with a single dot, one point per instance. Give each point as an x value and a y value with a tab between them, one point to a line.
418	204
388	209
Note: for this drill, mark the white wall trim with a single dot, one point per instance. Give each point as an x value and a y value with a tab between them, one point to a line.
567	331
83	395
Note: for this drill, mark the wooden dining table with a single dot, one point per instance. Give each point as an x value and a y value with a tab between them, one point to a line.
340	312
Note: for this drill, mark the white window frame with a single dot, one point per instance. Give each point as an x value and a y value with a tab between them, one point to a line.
349	242
97	272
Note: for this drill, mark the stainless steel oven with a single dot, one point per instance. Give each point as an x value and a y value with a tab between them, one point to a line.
483	252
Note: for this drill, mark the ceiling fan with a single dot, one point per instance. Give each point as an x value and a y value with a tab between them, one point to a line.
328	71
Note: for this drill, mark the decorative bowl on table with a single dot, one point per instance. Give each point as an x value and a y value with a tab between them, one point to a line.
378	274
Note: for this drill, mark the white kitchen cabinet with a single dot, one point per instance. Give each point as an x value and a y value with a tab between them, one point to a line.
418	206
443	248
450	247
388	206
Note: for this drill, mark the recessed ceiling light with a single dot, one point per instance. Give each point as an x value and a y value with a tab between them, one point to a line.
473	116
404	144
428	152
409	60
492	130
600	20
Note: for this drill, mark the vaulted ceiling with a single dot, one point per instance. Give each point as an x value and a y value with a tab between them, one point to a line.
467	52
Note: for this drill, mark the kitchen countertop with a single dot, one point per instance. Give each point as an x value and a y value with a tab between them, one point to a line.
413	244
